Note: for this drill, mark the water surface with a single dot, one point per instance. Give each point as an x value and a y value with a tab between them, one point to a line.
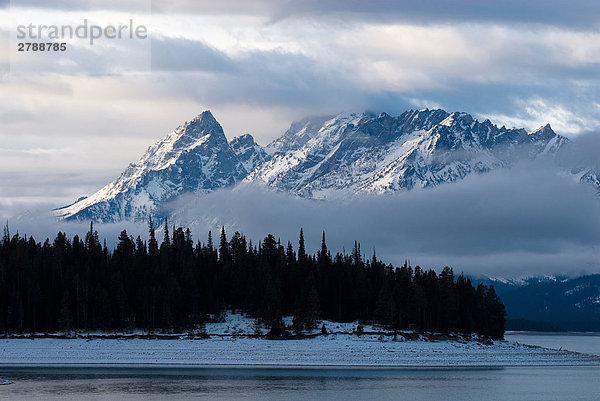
580	383
512	383
586	343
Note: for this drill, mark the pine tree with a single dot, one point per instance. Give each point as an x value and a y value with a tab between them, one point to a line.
495	314
323	253
209	244
223	246
6	235
166	238
301	249
290	255
152	243
356	254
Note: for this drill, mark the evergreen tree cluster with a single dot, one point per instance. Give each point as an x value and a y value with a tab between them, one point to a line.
175	284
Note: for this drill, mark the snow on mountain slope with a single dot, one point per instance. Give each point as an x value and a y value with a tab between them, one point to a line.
250	153
347	153
196	157
366	153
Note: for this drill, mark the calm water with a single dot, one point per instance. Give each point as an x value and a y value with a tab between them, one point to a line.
548	383
587	343
147	384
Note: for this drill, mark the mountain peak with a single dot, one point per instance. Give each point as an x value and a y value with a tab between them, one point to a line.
243	140
250	153
206	117
545	131
205	121
203	125
315	158
196	157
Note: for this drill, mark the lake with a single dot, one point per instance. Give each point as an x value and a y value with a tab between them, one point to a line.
513	383
271	383
587	343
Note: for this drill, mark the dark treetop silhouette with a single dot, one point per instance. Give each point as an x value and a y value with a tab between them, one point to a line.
175	284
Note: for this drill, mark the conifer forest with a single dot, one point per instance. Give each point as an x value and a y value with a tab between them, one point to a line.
174	284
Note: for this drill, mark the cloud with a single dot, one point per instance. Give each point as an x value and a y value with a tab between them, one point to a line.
188	55
36	222
582	153
316	62
523	221
70	5
554	12
531	219
269	78
575	13
259	65
537	112
522	76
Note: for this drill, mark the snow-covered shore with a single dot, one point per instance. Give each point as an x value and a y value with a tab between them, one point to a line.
334	350
231	343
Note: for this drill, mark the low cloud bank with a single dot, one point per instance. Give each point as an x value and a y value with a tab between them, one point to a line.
528	220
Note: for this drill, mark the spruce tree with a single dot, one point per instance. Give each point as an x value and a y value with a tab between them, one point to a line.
223	246
209	244
301	249
166	238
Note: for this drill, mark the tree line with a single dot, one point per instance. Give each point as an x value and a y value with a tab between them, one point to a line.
177	284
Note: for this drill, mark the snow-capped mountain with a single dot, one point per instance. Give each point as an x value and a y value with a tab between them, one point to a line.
196	157
365	153
350	153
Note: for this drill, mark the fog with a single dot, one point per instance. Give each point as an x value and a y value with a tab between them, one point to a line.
528	220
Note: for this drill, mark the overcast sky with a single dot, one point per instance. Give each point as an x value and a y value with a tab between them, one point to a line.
71	123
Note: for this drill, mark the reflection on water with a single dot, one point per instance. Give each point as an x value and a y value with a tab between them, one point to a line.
522	383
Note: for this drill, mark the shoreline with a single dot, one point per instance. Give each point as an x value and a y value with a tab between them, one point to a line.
112	366
138	335
328	351
238	342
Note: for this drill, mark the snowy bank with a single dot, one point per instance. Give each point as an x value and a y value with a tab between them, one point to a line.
233	342
330	350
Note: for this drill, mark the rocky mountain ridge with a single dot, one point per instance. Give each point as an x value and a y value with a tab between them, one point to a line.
348	153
